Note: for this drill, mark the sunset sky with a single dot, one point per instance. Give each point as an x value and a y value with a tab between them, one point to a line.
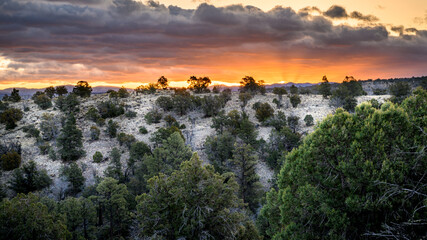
129	43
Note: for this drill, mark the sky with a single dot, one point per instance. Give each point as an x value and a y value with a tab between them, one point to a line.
130	43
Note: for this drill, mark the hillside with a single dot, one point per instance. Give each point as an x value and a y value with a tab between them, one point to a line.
195	133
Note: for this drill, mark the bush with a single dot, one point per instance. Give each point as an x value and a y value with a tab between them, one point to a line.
42	101
92	114
10	116
165	103
14	96
61	90
112	129
94	133
31	131
309	121
263	112
379	91
151	88
293	89
29	178
123	93
399	91
244	98
52	154
10	161
97	157
110	109
69	103
143	130
211	105
48	127
278	121
125	139
293	122
154	116
295	100
170	121
70	140
130	114
44	147
164	133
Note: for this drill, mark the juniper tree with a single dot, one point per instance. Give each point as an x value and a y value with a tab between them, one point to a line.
73	174
244	166
194	202
70	141
29	178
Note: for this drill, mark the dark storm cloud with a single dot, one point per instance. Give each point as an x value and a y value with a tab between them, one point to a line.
104	33
336	12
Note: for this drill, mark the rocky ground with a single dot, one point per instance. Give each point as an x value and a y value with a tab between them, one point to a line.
197	129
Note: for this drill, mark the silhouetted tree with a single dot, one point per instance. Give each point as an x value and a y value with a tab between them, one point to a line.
82	89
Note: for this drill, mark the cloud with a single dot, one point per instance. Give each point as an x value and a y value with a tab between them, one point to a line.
360	16
336	11
118	39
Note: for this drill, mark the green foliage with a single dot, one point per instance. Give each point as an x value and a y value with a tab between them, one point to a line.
219	149
43	101
165	103
31	131
92	114
125	139
153	116
295	100
151	88
143	130
3	106
14	96
112	196
112	129
10	117
199	85
29	178
82	89
10	161
249	84
48	127
110	109
97	157
52	154
61	90
345	95
380	91
278	121
25	217
237	125
293	122
279	91
244	165
293	89
130	114
114	170
399	91
80	215
263	111
244	98
44	147
193	203
136	153
216	89
123	93
357	175
94	133
50	91
182	103
73	174
168	157
69	103
70	141
309	120
325	88
163	82
281	142
211	105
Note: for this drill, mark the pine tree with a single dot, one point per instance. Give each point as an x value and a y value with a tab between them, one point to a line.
74	175
70	140
244	166
29	178
114	170
325	88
